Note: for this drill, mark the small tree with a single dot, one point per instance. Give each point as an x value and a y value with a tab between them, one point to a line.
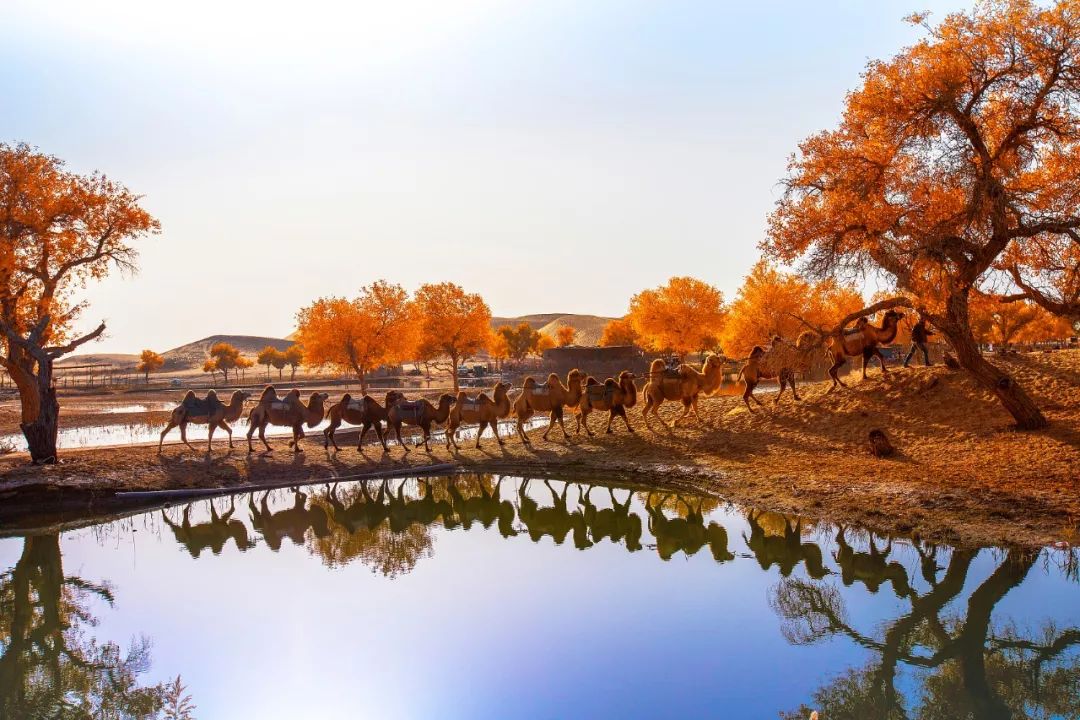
544	342
565	335
294	357
149	361
210	366
520	340
266	357
225	357
243	363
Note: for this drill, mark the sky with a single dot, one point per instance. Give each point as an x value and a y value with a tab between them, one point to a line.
553	156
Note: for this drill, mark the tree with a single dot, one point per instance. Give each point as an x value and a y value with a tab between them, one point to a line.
210	366
225	357
243	363
565	335
267	356
294	357
149	361
958	153
618	332
453	324
545	342
677	316
358	335
996	321
58	231
771	303
279	364
497	347
520	340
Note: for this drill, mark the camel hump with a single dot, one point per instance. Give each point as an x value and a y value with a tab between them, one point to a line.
188	396
530	382
590	381
267	393
757	352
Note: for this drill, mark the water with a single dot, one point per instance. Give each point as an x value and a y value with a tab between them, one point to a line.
496	597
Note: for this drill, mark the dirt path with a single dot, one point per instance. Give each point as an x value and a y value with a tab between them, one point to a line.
961	474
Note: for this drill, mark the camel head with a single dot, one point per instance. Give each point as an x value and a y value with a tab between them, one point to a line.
891	318
712	362
293	394
446	400
553	380
529	384
756	353
574	378
500	389
393	397
626	376
657	366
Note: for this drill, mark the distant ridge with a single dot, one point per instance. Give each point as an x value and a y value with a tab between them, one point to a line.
589	327
195	353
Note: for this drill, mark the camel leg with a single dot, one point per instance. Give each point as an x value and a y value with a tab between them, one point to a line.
479	433
250	432
835	376
865	360
364	427
397	431
559	417
328	435
881	359
210	436
551	421
521	432
685	413
622	413
183	434
262	435
748	393
382	435
794	393
783	387
225	426
610	417
426	429
165	432
297	433
697	415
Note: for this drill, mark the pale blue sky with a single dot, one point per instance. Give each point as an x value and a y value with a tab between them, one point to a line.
553	156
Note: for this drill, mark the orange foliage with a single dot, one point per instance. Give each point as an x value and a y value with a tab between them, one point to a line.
453	324
618	332
994	321
376	328
680	316
951	153
225	357
544	342
149	361
565	335
769	301
520	340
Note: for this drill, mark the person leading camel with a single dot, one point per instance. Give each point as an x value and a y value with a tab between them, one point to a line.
919	335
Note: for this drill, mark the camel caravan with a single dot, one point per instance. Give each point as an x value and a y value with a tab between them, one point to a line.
580	395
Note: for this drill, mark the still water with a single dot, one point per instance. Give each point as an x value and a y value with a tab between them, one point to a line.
498	597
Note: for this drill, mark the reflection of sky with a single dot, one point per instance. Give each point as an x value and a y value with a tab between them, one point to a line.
486	627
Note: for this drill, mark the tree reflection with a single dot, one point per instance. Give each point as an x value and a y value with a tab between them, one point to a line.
51	667
970	667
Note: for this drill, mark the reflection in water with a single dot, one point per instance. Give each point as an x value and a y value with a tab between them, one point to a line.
938	652
52	666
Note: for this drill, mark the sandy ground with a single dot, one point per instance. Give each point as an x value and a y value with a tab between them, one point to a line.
961	475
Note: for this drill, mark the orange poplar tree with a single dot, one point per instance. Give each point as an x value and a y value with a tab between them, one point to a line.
565	335
955	155
376	328
682	316
453	324
770	303
149	361
58	231
618	332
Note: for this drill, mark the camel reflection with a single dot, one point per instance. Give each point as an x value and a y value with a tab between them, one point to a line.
555	520
870	568
616	523
210	535
687	533
292	523
481	503
971	667
785	548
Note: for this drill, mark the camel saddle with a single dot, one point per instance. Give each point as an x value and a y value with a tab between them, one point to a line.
279	405
356	405
470	404
598	393
541	390
410	410
196	407
671	374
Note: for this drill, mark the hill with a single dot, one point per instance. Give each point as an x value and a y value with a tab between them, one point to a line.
117	360
589	327
195	353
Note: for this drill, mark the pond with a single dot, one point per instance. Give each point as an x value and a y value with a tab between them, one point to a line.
488	596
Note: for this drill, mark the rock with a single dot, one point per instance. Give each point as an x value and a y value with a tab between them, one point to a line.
879	444
951	362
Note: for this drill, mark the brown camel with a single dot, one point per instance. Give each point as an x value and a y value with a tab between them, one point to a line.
779	361
364	411
418	413
685	384
482	409
209	411
864	339
551	397
611	395
289	411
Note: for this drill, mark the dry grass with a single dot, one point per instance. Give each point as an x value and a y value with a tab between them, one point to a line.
961	472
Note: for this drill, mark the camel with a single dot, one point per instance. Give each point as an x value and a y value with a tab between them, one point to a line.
617	523
688	534
365	412
551	397
483	410
292	522
418	413
612	395
285	412
684	383
864	339
785	551
209	411
556	521
870	568
777	362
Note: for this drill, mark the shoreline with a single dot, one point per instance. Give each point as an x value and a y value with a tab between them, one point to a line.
961	475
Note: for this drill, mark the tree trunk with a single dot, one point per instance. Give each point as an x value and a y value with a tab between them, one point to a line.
957	329
280	373
292	374
454	370
40	409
